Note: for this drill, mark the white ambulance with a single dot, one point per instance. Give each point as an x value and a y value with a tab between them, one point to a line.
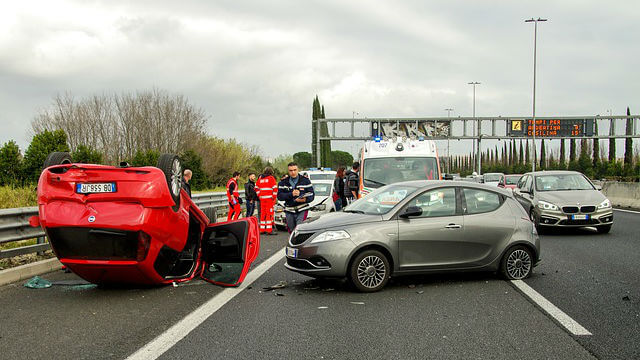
391	160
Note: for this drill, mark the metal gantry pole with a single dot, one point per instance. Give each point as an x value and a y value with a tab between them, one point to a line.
535	39
478	160
448	145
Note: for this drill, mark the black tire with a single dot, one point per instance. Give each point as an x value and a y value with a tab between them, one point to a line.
534	219
517	263
57	158
172	169
369	271
603	229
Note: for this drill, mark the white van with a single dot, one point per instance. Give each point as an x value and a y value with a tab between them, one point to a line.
388	161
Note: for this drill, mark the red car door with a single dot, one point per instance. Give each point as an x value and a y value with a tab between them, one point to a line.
228	249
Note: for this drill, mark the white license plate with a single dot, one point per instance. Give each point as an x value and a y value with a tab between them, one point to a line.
579	217
292	253
95	188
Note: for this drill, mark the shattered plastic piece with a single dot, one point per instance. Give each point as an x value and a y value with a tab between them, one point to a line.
357	303
37	282
328	289
174	284
280	285
311	288
626	298
323	307
420	292
278	294
411	286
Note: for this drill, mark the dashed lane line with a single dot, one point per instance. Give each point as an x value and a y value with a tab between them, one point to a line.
565	320
177	332
629	211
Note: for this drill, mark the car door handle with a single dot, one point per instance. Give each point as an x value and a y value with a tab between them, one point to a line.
453	226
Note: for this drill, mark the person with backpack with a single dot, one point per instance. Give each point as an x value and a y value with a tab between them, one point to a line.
352	183
338	189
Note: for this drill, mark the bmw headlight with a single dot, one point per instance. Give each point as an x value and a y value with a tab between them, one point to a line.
605	204
546	205
331	236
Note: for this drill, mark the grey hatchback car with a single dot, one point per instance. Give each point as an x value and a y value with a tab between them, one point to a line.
563	199
418	227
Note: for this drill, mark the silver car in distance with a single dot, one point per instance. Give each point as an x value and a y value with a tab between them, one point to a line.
418	227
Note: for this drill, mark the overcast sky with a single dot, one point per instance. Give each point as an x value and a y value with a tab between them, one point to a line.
255	66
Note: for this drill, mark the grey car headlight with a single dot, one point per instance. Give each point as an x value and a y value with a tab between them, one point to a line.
546	205
605	204
320	207
331	236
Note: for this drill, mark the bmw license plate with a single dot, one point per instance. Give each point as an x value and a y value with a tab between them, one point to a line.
292	253
83	188
579	217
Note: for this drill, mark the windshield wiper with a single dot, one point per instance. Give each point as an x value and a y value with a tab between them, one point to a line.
375	182
354	211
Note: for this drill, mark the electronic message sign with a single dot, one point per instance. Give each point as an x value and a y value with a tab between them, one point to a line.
551	128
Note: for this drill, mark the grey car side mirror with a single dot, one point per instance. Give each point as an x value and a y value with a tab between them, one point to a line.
411	211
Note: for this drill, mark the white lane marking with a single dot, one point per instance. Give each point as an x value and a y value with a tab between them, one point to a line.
629	211
571	325
177	332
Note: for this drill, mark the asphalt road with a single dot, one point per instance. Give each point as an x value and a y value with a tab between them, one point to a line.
587	275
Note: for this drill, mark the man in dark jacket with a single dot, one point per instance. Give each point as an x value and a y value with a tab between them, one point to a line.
250	194
297	193
186	177
352	183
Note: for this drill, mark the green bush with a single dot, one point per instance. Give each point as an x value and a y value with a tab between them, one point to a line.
86	155
41	146
10	163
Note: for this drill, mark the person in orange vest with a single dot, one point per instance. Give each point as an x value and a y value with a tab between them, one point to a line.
234	197
267	191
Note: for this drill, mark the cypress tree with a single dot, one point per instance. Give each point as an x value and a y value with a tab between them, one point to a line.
612	149
628	145
521	156
543	155
572	150
563	159
527	154
512	159
596	149
314	134
325	145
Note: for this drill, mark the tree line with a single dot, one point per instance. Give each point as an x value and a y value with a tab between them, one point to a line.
585	155
130	127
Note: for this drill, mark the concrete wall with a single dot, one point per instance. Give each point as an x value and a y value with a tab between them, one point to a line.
623	195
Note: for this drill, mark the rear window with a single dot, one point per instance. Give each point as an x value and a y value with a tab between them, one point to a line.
481	201
321	176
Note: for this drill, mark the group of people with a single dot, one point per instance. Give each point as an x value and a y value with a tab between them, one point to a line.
294	190
346	186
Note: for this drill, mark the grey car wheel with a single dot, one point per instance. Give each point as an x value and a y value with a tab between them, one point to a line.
517	263
369	271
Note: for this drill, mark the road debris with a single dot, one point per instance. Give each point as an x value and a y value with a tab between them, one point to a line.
357	303
280	285
626	298
412	286
328	289
278	294
37	282
420	292
323	307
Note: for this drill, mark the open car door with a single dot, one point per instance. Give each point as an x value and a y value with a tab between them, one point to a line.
228	249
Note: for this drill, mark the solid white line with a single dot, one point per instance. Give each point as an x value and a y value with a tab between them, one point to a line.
571	325
177	332
629	211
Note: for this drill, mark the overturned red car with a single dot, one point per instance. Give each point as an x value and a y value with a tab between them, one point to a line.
135	225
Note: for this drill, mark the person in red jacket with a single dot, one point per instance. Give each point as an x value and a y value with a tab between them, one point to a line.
234	197
267	191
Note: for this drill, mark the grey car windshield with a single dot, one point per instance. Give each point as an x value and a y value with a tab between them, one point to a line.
512	180
322	189
492	177
562	182
381	201
385	171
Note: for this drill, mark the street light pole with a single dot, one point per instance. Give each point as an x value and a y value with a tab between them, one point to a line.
535	38
448	153
474	83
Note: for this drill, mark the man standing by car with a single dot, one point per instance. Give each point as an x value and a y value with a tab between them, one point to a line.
352	185
186	177
266	190
250	194
296	192
234	197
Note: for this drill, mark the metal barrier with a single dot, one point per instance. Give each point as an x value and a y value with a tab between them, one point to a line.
14	223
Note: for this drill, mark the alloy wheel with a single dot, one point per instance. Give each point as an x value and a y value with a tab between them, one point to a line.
519	264
176	177
371	271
